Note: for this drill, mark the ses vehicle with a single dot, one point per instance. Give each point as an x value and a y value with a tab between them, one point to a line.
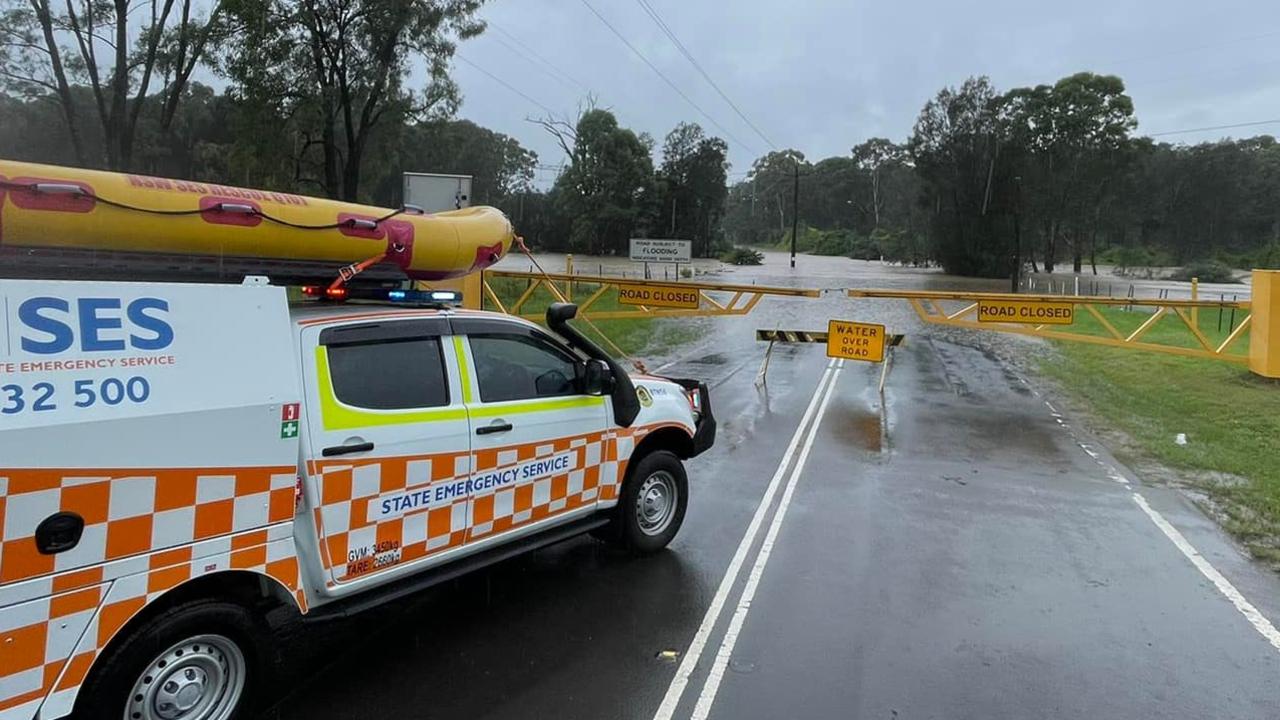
179	459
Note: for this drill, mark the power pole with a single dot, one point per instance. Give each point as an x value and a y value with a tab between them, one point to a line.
795	214
673	215
1015	277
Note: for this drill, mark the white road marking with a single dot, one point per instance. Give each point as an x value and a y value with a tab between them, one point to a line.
1255	618
712	685
1246	608
691	656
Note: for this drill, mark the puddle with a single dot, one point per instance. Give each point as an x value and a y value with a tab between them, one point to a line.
712	359
858	426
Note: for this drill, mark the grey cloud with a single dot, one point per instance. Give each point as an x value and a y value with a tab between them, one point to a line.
822	76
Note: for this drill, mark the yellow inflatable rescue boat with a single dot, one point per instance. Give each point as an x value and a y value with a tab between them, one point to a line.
87	224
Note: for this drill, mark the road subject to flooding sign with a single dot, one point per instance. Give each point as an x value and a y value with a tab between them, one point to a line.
659	296
661	251
1027	312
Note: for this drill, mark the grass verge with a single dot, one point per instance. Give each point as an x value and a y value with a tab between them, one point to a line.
635	336
1231	417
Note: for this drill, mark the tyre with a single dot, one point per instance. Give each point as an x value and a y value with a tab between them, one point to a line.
651	505
199	660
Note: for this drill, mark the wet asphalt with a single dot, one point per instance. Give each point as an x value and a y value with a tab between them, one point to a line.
949	552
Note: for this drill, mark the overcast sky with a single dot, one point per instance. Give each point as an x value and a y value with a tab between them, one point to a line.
823	75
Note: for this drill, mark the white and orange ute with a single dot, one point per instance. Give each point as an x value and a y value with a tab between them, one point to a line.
176	459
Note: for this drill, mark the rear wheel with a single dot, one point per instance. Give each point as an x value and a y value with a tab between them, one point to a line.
195	661
652	504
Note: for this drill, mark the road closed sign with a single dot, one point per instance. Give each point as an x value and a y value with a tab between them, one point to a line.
855	341
661	251
672	296
1028	312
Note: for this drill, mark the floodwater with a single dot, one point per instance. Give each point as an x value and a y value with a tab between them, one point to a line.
830	273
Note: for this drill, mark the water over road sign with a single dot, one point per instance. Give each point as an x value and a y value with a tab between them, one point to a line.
855	341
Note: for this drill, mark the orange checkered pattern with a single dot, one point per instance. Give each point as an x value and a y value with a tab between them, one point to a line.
51	642
145	533
510	507
347	489
625	442
129	512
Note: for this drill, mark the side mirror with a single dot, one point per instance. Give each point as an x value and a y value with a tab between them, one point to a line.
597	378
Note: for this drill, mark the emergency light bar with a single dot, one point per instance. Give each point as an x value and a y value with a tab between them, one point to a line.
442	298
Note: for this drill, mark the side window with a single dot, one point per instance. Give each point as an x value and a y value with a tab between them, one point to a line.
518	367
389	374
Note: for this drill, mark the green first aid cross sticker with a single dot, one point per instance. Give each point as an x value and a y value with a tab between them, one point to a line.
289	430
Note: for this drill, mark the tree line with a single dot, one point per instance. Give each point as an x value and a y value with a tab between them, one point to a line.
990	182
315	98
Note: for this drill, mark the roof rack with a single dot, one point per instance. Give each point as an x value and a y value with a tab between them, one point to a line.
78	264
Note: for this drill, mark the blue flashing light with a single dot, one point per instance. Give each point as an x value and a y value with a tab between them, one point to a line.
425	297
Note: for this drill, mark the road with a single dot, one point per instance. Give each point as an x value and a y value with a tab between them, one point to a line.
964	551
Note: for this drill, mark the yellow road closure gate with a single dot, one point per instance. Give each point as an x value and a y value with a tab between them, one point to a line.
1047	316
1158	325
632	298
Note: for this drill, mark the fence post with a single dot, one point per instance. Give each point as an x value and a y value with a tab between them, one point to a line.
1195	295
568	270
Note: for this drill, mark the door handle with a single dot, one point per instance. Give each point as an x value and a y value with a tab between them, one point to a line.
494	428
345	449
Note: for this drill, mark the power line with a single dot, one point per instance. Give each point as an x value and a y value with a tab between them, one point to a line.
666	30
539	57
666	79
505	84
1214	127
526	58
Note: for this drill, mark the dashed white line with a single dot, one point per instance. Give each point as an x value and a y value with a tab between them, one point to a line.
691	656
712	685
1246	608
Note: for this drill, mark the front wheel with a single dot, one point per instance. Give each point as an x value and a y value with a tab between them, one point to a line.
196	661
652	503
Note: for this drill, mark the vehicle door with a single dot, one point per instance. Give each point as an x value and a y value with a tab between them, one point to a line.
390	446
538	441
